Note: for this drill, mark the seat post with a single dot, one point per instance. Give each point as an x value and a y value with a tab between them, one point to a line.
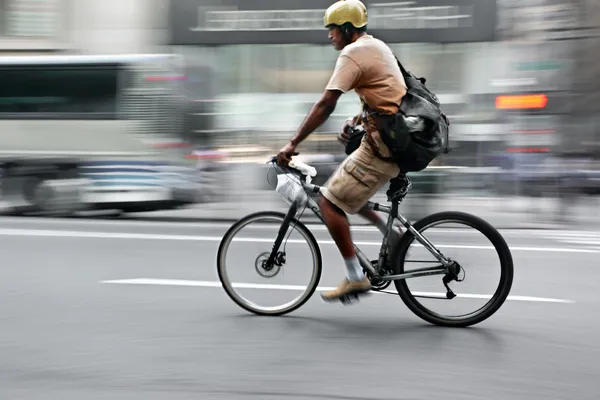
394	210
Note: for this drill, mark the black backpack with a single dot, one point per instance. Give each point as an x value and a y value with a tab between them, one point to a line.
413	147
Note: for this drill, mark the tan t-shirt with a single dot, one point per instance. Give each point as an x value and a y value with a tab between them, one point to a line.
370	68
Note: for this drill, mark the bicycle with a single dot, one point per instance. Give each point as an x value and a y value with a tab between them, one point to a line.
389	267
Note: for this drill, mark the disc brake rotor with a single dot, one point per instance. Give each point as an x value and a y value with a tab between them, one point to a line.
267	271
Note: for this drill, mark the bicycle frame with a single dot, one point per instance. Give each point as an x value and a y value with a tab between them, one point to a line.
393	213
379	272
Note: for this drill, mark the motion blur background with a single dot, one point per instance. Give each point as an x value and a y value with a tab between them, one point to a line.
147	113
518	80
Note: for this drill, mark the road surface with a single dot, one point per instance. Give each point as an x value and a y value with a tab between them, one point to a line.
132	310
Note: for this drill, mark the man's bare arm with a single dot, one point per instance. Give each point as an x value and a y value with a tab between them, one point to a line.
319	113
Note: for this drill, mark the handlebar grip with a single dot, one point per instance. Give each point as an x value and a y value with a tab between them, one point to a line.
274	158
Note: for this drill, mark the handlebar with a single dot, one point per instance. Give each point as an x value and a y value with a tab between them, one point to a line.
309	171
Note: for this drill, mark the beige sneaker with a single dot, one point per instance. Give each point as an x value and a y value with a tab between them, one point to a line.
347	287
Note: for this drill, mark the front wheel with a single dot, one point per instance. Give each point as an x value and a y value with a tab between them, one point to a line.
256	235
471	274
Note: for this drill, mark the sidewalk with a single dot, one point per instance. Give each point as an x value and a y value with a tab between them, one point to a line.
503	213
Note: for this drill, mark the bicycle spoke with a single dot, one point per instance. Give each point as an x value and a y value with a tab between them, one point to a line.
476	282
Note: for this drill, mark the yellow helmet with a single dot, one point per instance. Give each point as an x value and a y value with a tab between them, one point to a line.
346	11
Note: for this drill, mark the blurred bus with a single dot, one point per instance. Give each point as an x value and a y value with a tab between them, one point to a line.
114	121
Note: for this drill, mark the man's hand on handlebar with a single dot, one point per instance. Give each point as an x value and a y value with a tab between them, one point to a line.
285	154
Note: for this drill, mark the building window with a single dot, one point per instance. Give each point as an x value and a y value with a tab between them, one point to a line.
29	18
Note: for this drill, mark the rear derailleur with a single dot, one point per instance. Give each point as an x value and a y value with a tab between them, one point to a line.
452	275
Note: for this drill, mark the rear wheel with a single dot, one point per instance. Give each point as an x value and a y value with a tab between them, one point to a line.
492	241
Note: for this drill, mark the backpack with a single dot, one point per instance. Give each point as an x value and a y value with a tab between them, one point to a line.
418	132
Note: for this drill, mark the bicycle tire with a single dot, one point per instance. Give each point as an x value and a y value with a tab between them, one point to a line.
300	226
501	247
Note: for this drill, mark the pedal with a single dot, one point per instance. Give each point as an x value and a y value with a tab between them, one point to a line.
348	299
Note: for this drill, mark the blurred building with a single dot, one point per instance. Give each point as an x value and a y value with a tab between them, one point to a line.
509	73
260	65
83	26
503	69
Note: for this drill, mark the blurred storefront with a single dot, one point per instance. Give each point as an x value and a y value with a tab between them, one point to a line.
256	67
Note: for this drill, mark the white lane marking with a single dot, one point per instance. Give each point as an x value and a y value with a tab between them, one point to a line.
585	239
217	284
571	234
315	227
190	225
148	236
585	242
224	226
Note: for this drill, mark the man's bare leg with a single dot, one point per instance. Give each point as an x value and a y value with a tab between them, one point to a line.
339	229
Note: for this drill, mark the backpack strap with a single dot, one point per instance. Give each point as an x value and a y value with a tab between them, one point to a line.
406	73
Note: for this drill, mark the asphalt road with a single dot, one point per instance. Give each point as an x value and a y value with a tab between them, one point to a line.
130	310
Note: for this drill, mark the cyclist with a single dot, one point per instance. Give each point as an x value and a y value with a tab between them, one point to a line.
367	66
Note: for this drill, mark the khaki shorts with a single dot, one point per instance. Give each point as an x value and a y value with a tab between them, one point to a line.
358	178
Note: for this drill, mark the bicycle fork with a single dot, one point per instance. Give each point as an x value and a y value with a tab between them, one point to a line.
275	255
280	235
